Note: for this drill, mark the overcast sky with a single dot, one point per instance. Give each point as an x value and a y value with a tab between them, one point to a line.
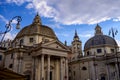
64	16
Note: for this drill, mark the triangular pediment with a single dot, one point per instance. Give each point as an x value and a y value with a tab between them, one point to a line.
55	45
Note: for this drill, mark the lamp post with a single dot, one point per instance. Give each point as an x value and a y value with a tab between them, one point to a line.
8	27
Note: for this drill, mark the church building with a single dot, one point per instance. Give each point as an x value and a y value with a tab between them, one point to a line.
37	53
100	60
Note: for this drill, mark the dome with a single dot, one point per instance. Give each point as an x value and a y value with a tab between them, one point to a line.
36	28
99	40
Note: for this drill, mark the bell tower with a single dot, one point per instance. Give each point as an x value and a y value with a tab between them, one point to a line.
76	46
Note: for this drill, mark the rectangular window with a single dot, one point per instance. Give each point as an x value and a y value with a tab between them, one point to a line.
99	51
21	41
11	55
31	40
0	57
112	50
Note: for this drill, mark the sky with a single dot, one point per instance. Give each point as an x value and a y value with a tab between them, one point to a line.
64	16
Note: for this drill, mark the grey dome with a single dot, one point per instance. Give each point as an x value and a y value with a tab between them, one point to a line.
100	40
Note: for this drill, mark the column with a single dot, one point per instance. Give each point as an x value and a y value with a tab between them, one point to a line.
66	68
21	62
61	68
48	71
117	71
107	68
38	71
33	68
42	67
57	70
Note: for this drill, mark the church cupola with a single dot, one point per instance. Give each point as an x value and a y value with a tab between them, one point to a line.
37	20
98	30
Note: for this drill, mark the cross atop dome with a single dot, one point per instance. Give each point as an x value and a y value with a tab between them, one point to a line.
37	19
98	30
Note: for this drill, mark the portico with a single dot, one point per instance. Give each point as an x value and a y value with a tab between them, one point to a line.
51	63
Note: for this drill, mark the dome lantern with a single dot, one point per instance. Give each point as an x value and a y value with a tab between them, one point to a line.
37	20
98	30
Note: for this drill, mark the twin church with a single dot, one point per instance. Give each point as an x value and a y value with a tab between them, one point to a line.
37	53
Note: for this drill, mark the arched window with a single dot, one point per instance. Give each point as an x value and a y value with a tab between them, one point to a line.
88	53
84	68
11	65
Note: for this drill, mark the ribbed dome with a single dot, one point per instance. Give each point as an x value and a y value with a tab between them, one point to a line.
99	40
36	28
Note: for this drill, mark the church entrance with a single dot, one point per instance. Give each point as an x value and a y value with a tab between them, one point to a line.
51	75
102	78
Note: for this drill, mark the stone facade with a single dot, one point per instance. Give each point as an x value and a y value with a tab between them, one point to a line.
38	54
100	60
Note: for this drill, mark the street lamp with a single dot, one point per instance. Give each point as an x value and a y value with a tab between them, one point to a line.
8	26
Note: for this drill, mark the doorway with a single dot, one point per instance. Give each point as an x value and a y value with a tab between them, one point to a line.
51	75
102	78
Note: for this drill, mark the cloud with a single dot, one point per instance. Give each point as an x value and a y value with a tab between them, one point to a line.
58	26
44	9
14	21
118	42
86	35
3	19
18	2
10	36
29	6
63	34
75	12
116	19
